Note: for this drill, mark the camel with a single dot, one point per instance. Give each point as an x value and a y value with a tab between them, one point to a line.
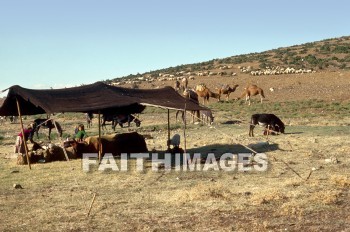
192	95
226	89
252	90
184	82
205	93
177	85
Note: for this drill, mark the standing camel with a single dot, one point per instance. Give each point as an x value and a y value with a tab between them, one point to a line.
177	85
226	89
252	90
191	95
205	93
184	82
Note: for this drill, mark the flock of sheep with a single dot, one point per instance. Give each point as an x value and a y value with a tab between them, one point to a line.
274	70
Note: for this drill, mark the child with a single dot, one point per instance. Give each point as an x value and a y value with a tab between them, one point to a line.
81	134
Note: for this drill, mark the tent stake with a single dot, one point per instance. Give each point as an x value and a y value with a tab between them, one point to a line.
23	136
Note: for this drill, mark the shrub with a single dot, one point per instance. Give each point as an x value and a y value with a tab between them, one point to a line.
341	49
342	66
304	51
325	48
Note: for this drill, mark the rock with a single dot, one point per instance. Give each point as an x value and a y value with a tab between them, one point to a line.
260	145
17	186
332	160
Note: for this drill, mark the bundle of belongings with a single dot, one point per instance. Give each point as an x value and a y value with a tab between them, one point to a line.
44	154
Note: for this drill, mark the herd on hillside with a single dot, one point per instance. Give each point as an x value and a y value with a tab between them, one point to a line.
223	71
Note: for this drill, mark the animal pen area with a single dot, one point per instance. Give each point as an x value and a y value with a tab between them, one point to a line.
305	186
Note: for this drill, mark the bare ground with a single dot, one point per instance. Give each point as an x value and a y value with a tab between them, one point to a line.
300	191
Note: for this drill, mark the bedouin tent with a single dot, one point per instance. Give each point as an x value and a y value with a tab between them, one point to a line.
95	98
91	98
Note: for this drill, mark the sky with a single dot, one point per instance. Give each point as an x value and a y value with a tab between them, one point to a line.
64	43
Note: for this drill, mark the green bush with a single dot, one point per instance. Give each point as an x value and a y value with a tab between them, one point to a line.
341	49
303	51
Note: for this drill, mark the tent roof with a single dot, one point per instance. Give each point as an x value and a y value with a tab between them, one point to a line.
92	98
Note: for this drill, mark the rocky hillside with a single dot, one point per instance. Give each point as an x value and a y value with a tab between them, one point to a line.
326	55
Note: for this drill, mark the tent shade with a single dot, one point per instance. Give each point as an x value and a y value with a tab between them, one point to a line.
92	98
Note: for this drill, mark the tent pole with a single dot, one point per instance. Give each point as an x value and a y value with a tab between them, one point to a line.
23	136
99	136
59	137
185	146
168	143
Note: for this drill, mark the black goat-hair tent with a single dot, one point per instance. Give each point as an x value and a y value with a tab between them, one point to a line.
97	97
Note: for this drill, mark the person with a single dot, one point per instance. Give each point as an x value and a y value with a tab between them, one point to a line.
76	129
81	134
28	135
89	116
175	141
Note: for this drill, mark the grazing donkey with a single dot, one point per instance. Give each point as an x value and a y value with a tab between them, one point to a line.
46	123
267	120
119	119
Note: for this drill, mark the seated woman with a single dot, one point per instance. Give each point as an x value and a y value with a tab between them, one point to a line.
81	134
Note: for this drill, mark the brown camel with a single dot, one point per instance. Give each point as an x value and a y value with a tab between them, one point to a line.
252	90
227	90
184	82
205	93
192	95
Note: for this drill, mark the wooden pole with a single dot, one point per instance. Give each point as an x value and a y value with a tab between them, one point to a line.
99	136
64	150
185	121
22	129
168	142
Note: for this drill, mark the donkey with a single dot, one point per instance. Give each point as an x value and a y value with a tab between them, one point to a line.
119	119
267	120
207	116
46	123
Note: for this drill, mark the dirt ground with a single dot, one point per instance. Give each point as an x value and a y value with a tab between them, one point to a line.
305	187
287	87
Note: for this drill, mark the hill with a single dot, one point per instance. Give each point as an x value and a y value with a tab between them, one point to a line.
326	55
318	70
